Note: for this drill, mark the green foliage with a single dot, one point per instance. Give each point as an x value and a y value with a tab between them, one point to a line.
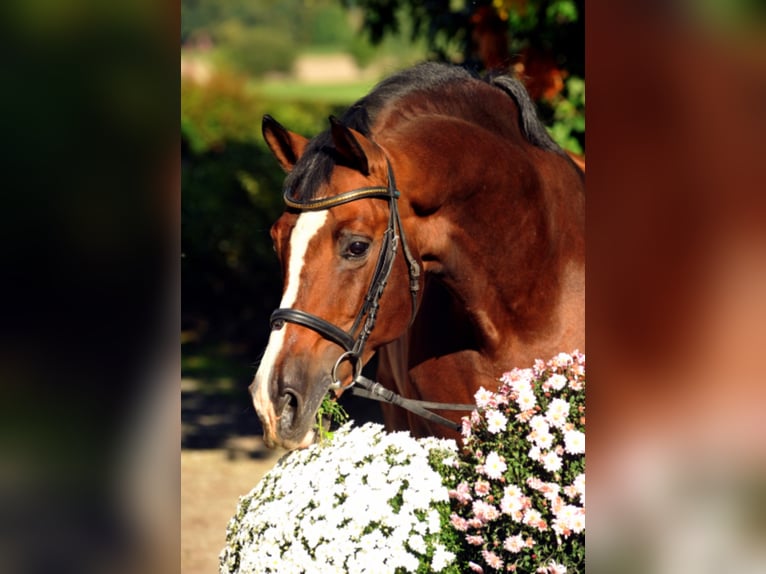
254	50
217	112
330	413
231	195
547	27
567	126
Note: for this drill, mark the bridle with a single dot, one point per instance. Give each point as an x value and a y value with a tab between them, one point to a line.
353	341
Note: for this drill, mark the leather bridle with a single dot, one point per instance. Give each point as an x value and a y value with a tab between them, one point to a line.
354	340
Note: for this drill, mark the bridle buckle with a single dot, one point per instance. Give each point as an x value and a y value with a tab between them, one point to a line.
356	359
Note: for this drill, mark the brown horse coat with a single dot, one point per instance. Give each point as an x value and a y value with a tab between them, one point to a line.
493	211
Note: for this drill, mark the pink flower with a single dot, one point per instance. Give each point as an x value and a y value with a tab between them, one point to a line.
466	428
533	518
550	490
481	488
462	493
459	523
474	539
475	567
514	543
524	416
492	559
484	511
534	482
518	379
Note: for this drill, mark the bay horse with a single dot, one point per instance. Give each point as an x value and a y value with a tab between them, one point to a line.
458	174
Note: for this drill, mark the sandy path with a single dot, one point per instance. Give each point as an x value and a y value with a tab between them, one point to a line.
211	483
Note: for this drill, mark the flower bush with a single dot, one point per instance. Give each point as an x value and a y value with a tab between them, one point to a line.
518	488
512	499
366	502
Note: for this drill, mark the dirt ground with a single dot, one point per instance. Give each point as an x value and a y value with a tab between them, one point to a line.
222	458
211	483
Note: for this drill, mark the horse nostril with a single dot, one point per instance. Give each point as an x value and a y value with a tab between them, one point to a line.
289	404
289	401
292	399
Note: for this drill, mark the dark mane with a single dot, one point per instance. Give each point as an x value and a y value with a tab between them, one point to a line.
531	126
319	158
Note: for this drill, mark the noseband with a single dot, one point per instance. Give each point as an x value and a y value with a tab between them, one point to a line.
353	340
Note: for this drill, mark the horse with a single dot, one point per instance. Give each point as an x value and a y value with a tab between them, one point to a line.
456	173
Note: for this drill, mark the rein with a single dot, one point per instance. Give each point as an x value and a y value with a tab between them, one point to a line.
354	340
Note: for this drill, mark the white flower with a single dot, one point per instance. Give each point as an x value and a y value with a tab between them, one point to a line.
494	466
484	398
526	400
555	568
511	504
551	461
557	412
562	360
557	381
441	559
579	484
293	519
417	543
574	441
532	517
543	440
538	424
577	522
514	543
518	378
496	421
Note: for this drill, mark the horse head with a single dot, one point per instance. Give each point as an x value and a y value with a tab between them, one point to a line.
337	243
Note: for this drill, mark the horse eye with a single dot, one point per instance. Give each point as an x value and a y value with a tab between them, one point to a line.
357	248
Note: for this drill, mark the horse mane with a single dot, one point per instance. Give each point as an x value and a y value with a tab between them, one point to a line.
531	126
319	158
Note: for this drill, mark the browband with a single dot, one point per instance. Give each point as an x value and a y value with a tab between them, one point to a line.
327	202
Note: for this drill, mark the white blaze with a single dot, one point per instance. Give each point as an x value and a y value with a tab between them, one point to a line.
306	227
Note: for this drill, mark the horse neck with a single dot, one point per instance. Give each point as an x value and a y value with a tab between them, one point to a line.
514	261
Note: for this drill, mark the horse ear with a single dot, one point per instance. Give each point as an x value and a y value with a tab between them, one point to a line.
286	146
351	146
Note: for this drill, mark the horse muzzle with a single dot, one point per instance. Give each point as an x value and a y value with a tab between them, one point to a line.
287	403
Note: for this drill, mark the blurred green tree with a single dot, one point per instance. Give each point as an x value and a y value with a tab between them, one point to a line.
541	41
231	194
